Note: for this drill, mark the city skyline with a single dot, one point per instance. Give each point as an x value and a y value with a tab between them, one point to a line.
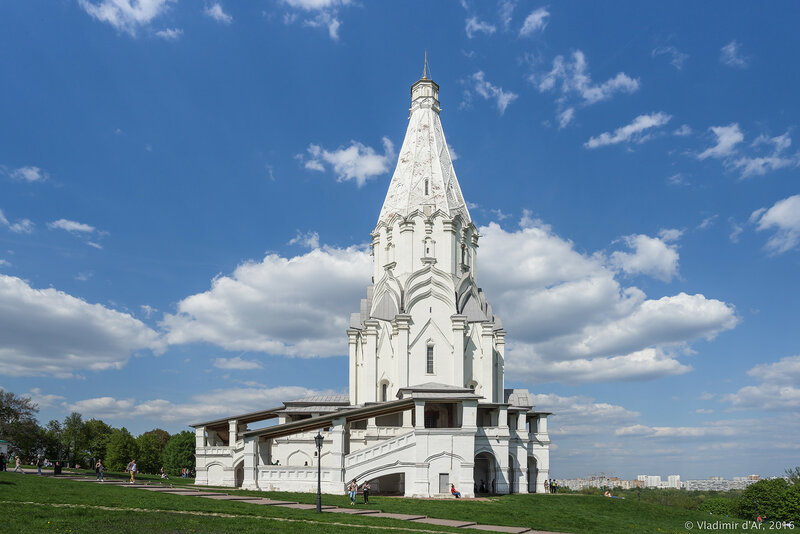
174	175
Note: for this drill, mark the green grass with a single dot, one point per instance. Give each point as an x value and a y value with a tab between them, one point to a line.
560	513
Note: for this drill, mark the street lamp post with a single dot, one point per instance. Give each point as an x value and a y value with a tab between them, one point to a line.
318	441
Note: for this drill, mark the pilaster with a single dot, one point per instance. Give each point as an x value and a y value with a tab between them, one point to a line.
403	323
200	437
487	348
459	324
250	480
352	345
369	391
233	429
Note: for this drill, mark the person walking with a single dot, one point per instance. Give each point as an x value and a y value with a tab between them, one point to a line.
18	467
365	491
353	489
38	465
132	468
98	469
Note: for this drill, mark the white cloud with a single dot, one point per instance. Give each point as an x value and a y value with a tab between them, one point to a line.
505	10
28	174
42	400
236	363
630	132
216	12
71	226
778	388
731	55
683	130
283	306
309	240
736	230
125	15
320	14
216	403
727	137
488	91
760	165
784	371
565	117
707	222
5	263
784	217
572	80
48	332
473	26
534	22
147	310
651	256
570	320
676	57
356	162
22	226
168	34
710	430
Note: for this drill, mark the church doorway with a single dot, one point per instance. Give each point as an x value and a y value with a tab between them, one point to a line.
239	474
533	473
485	473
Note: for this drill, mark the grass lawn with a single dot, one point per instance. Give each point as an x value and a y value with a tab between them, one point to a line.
171	513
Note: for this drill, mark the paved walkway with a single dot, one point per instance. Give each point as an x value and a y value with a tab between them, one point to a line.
221	496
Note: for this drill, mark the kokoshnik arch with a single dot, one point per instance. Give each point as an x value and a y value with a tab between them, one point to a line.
427	405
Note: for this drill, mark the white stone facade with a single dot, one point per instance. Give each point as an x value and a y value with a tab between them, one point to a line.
427	406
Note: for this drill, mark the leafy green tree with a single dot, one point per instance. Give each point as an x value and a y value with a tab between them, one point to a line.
791	504
161	435
75	438
764	498
150	451
120	450
179	452
53	440
18	423
97	435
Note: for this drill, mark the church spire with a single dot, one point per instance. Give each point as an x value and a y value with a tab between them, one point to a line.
424	178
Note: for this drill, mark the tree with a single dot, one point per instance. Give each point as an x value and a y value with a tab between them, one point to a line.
53	440
179	452
161	435
764	498
120	450
791	504
75	438
97	435
150	450
18	423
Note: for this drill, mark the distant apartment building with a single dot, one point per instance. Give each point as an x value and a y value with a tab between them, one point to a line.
720	484
655	481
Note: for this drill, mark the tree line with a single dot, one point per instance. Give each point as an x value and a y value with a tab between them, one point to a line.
76	441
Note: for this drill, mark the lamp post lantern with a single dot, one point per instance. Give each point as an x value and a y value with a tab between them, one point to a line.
318	441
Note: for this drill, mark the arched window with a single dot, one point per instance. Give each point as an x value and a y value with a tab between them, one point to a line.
426	187
384	392
463	254
429	360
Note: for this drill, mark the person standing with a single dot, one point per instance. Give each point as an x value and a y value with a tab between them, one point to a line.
353	489
132	468
38	465
98	469
365	490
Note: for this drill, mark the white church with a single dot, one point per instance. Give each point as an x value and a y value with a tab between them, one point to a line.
426	406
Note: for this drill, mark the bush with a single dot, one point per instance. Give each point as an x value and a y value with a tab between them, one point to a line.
717	506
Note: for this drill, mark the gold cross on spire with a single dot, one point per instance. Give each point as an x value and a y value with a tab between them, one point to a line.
425	69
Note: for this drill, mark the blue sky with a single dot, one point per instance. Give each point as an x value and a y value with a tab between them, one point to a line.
186	190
